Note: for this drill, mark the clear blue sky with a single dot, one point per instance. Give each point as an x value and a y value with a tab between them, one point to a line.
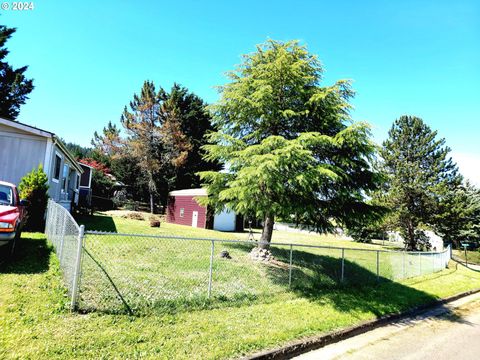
405	57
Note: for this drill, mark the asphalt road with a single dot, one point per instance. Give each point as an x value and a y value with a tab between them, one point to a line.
447	332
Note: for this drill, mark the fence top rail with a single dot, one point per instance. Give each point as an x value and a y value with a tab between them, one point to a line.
186	238
50	201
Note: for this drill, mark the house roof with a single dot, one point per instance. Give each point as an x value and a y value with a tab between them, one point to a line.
43	133
87	166
189	192
31	129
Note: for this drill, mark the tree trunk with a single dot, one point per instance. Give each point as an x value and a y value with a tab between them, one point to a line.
411	237
267	232
151	189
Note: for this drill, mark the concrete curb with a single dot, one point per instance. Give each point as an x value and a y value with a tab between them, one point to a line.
299	347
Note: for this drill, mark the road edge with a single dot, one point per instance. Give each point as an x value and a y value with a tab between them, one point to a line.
313	343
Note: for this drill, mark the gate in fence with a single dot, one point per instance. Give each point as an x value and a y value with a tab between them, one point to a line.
134	273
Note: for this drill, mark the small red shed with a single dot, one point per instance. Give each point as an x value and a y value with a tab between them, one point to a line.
183	209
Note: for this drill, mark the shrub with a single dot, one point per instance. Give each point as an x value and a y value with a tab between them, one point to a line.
34	188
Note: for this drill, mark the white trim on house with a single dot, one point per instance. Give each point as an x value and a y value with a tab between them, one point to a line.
67	154
21	136
89	177
47	166
26	128
189	192
54	179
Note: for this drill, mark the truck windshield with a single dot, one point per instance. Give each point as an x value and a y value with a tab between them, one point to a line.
6	195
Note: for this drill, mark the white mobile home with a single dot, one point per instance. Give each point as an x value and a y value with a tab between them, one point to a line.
24	147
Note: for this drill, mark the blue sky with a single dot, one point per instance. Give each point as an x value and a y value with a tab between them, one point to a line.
405	57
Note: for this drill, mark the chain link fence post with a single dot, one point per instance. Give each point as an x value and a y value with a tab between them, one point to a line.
211	270
342	276
290	267
62	241
78	269
420	262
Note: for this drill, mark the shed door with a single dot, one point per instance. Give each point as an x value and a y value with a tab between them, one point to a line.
195	219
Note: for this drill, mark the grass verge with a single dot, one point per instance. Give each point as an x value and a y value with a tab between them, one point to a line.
36	324
473	257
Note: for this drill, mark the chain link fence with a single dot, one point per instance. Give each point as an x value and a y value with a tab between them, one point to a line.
138	273
66	237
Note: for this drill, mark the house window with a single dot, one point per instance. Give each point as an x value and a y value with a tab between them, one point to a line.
56	173
182	212
78	181
66	169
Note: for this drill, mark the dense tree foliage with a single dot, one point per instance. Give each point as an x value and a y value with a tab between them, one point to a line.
458	219
421	174
166	132
288	144
14	86
195	123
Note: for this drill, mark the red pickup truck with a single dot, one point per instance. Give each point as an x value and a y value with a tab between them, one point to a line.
12	215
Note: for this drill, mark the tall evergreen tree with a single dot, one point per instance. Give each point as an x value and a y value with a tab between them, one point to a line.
195	122
14	86
142	123
157	125
458	219
287	143
420	175
109	142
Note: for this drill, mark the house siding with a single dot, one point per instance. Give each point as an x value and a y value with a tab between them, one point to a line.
55	190
188	203
20	153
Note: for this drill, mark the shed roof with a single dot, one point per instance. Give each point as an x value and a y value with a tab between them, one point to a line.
189	192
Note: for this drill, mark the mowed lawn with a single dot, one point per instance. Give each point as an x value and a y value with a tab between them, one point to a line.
35	322
160	274
473	257
166	274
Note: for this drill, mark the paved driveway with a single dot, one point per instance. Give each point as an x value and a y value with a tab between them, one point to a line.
444	333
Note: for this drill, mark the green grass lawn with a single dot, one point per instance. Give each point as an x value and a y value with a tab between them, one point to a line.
473	257
35	322
168	275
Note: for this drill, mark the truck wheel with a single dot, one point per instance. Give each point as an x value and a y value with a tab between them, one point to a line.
15	242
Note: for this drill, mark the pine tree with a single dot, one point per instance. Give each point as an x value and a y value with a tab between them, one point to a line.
14	86
195	122
109	142
420	175
287	143
458	219
157	129
143	125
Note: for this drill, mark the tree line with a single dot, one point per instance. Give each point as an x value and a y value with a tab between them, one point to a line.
280	145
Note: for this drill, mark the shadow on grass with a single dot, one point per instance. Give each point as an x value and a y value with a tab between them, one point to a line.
97	222
469	266
31	257
315	277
